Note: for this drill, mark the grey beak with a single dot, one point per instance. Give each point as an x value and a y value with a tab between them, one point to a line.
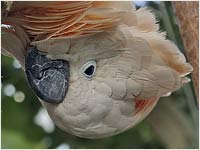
48	78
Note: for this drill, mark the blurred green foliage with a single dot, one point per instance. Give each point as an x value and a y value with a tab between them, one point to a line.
19	129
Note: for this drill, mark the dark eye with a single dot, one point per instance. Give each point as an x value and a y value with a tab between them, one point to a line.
89	69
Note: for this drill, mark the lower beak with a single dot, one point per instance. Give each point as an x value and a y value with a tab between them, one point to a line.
48	78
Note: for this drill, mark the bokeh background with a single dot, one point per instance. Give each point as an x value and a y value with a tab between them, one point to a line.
26	124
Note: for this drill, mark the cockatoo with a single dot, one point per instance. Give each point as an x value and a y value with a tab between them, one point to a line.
99	68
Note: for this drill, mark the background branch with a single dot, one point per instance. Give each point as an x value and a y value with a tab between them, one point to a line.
187	16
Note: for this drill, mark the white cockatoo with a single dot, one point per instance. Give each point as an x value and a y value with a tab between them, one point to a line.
98	68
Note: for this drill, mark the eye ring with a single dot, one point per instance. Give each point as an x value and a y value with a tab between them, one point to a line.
89	69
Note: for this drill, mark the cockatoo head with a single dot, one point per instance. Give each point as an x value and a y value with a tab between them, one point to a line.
100	91
100	73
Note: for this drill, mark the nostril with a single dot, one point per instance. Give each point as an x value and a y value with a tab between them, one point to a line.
57	64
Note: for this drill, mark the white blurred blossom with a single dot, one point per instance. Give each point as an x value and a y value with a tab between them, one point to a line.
19	96
63	146
16	64
9	90
42	119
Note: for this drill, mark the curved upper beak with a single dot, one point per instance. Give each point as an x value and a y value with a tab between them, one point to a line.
48	78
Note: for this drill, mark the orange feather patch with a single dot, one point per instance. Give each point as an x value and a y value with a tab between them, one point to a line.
142	105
